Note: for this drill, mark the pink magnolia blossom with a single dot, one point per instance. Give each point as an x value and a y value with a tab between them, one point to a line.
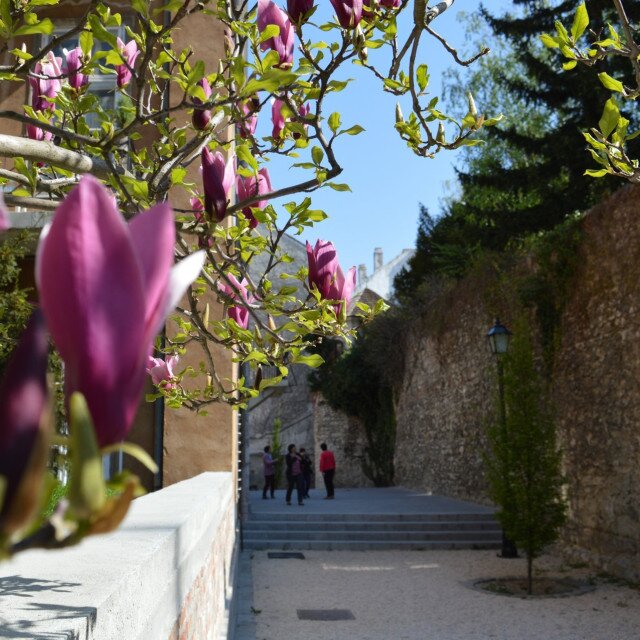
5	223
202	117
106	288
297	9
252	186
349	12
77	80
23	407
327	275
44	90
162	370
249	109
129	53
277	118
36	133
218	177
198	214
238	292
270	13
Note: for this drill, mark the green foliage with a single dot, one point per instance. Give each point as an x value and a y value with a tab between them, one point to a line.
15	307
361	383
524	463
276	451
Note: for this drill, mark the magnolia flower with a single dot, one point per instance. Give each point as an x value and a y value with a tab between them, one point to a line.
162	370
327	276
36	133
45	89
217	179
237	292
77	80
23	425
5	223
202	117
269	13
129	53
297	9
106	288
277	118
252	186
198	214
349	12
248	108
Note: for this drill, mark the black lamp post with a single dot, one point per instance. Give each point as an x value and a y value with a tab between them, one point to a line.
499	337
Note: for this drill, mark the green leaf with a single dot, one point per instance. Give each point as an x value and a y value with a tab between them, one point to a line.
313	361
567	66
610	83
86	43
317	154
549	41
610	116
270	31
353	131
596	173
245	155
44	26
19	53
87	492
338	187
422	75
580	22
334	121
563	35
133	450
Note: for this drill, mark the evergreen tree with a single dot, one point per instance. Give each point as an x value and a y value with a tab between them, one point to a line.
524	466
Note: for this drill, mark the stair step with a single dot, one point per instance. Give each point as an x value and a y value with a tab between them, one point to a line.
390	536
333	525
371	545
292	515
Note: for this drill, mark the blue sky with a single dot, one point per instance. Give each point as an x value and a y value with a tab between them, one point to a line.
388	182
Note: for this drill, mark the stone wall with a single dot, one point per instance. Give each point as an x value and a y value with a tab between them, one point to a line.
345	436
446	393
167	572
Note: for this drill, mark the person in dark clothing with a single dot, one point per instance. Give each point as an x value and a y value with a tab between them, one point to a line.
306	471
328	469
269	467
294	473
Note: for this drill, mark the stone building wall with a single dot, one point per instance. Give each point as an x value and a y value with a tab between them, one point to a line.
446	394
345	436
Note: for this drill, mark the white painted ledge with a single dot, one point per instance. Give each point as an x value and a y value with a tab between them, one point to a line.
131	584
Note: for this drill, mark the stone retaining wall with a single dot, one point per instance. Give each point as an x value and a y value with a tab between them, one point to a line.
167	572
447	393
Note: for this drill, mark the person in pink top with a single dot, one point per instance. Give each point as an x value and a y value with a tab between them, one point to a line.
327	469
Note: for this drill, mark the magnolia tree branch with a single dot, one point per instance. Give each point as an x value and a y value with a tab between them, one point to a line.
43	151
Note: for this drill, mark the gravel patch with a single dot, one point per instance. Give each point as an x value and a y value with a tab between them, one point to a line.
422	595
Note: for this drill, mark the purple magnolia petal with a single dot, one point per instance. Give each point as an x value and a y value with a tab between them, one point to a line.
5	222
77	80
348	12
153	235
218	177
277	118
129	53
92	293
252	186
269	13
297	9
23	402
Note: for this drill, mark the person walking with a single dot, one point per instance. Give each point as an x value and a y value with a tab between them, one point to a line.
327	469
307	466
294	474
269	469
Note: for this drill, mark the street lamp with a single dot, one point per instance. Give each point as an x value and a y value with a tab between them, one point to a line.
499	337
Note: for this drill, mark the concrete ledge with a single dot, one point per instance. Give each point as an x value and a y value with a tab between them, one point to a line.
166	573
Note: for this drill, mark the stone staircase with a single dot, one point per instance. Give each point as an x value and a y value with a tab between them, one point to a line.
364	532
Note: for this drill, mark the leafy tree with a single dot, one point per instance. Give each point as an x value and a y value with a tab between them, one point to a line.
524	463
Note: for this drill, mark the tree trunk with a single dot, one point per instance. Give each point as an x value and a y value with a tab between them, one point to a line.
529	574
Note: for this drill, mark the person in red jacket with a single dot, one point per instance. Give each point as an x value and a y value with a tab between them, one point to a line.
327	469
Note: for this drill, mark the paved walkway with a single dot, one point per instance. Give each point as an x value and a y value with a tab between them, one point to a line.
415	595
392	500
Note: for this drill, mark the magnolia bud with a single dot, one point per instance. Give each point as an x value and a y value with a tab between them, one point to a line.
440	135
472	106
399	116
205	317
